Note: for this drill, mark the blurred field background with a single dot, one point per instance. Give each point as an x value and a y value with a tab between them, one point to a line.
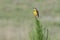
16	18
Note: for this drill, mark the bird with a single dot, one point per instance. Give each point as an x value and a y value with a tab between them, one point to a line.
35	12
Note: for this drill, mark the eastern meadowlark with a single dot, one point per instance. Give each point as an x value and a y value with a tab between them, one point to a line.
35	12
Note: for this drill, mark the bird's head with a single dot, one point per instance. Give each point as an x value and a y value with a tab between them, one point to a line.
34	9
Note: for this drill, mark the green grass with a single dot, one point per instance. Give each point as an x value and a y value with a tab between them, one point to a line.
38	33
39	30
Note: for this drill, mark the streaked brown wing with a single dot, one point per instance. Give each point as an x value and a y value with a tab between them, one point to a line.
37	12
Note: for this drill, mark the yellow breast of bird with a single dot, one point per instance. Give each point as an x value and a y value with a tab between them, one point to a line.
35	13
